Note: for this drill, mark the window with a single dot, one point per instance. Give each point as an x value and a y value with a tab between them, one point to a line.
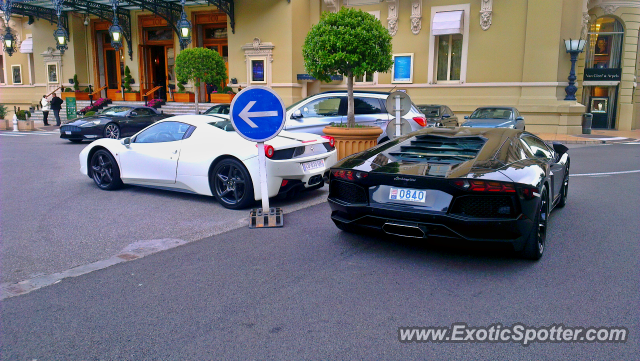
119	111
449	57
536	147
367	106
143	112
604	47
2	70
367	78
449	44
324	107
163	132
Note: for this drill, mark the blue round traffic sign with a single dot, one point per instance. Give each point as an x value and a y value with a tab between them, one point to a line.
257	113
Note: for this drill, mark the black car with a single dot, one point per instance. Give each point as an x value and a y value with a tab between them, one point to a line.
438	115
219	109
113	122
454	183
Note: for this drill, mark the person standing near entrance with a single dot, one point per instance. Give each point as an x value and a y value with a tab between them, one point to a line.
56	105
45	109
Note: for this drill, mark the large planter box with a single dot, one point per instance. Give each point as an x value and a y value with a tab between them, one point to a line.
6	124
353	140
26	125
81	96
184	97
222	98
132	97
65	95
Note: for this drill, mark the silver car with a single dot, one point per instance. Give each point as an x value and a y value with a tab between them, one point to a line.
312	114
495	117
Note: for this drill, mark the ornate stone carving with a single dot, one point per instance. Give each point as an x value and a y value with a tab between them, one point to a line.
392	19
416	16
332	5
585	25
258	48
609	9
486	13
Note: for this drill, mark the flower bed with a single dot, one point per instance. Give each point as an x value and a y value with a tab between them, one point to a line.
97	105
155	103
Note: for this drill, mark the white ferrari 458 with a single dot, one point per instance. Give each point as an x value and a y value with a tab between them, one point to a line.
204	155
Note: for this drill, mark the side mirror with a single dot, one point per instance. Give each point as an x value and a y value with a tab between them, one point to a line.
446	116
466	117
296	114
126	142
519	118
560	148
133	114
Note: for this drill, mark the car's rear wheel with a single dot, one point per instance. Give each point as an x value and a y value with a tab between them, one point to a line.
112	131
105	171
564	193
231	184
536	243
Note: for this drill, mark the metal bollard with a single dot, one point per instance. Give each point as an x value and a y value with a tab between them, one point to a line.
15	122
587	120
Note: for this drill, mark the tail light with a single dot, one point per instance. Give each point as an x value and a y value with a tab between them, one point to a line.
476	185
349	174
421	121
268	150
528	193
332	141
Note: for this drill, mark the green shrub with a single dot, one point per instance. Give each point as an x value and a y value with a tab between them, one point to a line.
89	113
227	90
67	90
76	86
87	90
3	111
180	88
23	114
127	80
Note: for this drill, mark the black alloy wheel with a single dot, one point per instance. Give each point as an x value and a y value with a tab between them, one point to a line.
564	192
231	184
535	244
105	171
112	131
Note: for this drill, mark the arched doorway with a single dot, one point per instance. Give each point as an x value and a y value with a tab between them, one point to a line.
603	71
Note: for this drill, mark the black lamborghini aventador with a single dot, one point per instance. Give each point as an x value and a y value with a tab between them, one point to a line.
475	184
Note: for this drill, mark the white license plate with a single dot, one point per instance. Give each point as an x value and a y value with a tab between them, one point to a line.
409	195
67	132
316	164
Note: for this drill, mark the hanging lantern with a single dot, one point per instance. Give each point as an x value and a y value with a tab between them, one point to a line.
61	37
184	28
115	31
9	42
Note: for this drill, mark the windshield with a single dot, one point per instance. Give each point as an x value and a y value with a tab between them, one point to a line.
429	111
491	113
115	111
218	109
296	103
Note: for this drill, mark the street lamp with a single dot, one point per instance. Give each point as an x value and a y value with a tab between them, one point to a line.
115	30
61	38
9	42
574	47
184	26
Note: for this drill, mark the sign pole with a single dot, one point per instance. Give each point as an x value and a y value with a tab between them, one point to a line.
264	191
398	115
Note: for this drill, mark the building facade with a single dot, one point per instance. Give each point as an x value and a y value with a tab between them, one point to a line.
462	53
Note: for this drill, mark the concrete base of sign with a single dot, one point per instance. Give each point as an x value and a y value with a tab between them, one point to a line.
260	219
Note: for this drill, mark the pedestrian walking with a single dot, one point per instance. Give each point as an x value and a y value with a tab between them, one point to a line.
45	109
56	105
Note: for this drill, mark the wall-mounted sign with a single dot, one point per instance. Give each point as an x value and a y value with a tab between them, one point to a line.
598	74
402	68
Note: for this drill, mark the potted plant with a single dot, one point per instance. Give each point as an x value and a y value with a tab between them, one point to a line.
182	95
155	103
4	125
199	65
225	96
129	93
350	42
24	123
67	93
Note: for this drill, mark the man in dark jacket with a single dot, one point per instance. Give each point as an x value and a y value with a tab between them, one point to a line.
56	105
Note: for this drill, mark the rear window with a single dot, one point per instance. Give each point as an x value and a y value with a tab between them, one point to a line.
430	111
433	148
224	125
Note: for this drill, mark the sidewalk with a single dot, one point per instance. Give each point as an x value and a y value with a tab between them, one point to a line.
596	137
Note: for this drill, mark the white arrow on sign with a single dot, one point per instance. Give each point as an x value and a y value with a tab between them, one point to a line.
246	115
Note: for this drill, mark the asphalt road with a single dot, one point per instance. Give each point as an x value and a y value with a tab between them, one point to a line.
310	291
53	218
